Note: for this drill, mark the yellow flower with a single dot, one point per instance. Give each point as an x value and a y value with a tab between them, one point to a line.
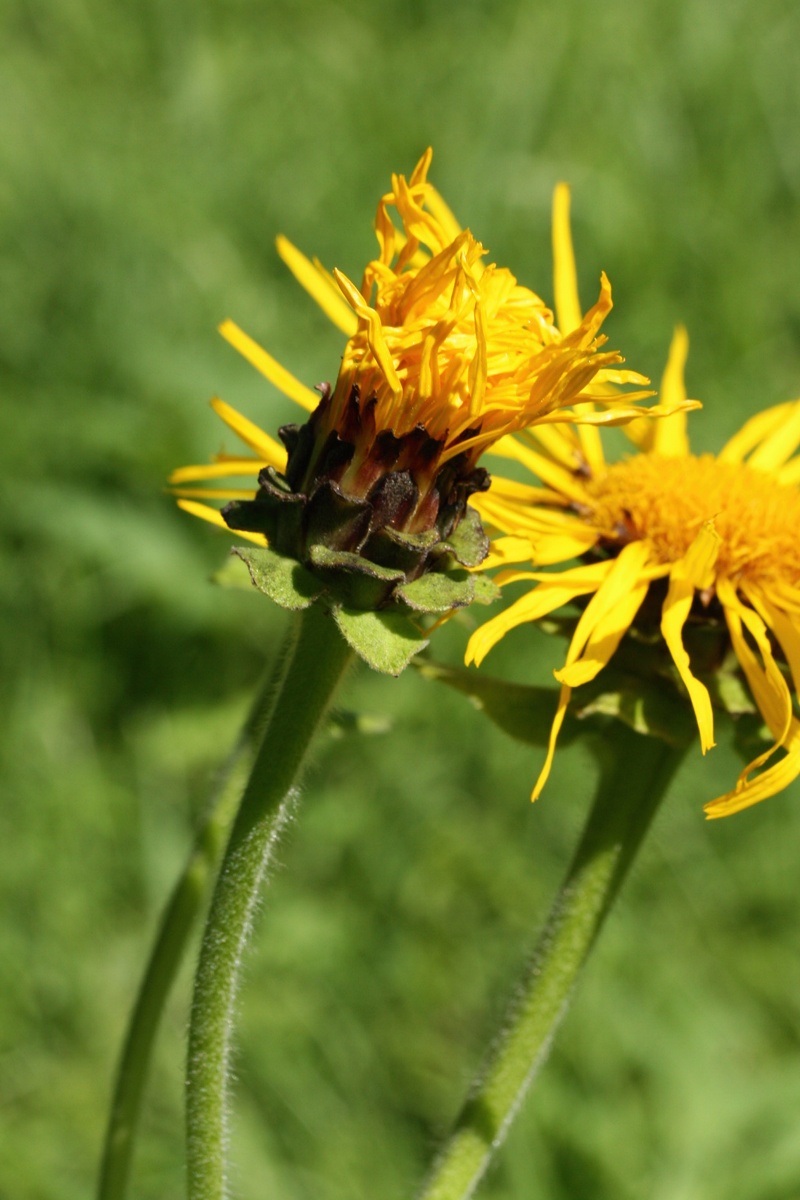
445	355
717	536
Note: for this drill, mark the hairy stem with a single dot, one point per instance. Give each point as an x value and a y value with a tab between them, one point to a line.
634	778
183	908
313	667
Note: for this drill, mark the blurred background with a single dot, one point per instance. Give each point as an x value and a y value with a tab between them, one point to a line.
150	153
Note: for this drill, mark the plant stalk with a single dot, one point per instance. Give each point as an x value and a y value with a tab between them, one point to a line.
635	773
183	908
314	666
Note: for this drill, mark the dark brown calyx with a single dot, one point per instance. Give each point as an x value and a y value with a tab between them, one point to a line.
357	491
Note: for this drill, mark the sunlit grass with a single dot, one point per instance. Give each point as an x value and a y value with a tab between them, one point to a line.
150	154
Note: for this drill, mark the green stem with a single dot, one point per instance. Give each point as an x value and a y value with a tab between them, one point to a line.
636	771
315	664
185	903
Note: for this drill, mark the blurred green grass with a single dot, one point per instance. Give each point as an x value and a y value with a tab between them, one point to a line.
149	154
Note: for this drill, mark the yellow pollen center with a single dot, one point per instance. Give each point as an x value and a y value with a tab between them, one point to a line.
667	500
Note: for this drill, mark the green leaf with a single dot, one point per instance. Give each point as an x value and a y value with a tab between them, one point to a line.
387	641
469	542
563	627
729	692
485	590
233	573
284	580
650	706
750	736
403	551
437	592
353	580
525	713
333	520
344	560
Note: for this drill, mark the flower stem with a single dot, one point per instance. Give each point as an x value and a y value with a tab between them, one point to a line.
184	906
314	666
635	773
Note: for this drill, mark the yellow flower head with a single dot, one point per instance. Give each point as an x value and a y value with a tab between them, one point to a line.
445	355
710	538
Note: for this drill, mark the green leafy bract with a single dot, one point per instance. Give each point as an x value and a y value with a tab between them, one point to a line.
387	641
283	580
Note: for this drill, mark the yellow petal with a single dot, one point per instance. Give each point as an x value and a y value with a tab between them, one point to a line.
560	442
694	570
779	446
266	447
786	595
269	367
555	729
605	638
200	493
749	791
219	470
607	616
607	375
620	414
443	214
532	522
550	549
767	684
786	630
420	173
585	578
568	311
421	226
320	286
512	575
697	564
549	472
478	370
774	702
585	333
521	494
214	517
505	550
375	338
527	522
669	434
753	432
565	277
583	631
591	442
531	607
790	473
